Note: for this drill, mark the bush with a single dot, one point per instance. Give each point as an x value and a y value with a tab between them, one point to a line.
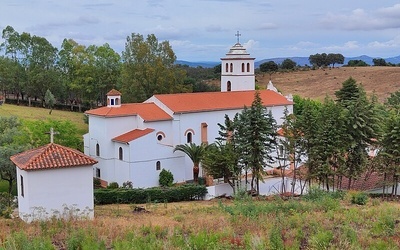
359	198
127	184
96	182
157	194
7	204
166	178
113	185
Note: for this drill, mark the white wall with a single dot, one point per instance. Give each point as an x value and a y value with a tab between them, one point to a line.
49	192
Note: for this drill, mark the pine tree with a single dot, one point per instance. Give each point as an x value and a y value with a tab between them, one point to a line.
256	139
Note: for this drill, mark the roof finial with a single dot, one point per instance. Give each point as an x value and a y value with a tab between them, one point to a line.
238	35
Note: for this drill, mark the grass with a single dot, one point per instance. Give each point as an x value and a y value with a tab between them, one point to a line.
263	223
33	113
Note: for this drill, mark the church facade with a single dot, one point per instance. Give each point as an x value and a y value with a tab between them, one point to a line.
135	141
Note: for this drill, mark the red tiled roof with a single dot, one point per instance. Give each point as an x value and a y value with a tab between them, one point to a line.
367	181
132	135
209	101
113	92
51	156
148	111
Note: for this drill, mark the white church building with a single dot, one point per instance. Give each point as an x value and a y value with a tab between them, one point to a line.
135	141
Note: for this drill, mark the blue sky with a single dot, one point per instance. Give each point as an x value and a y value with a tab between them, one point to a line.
203	30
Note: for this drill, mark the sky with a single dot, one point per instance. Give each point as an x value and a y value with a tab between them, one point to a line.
204	30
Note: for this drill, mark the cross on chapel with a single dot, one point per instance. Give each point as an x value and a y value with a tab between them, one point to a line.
238	35
52	133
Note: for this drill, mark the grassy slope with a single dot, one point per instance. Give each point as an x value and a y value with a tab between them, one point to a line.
31	113
222	224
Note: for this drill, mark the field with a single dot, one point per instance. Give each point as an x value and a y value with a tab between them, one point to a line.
316	84
321	222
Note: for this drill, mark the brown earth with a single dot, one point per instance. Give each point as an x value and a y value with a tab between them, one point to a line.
316	84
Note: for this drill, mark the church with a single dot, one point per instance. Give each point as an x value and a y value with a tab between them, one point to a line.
135	141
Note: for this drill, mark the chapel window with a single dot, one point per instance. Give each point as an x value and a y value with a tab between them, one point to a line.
242	67
120	153
189	138
158	165
22	185
248	67
98	173
97	149
226	67
231	67
228	86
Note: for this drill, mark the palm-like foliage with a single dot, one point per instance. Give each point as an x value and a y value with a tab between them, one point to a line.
195	153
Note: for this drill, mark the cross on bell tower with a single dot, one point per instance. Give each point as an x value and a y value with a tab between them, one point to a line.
238	35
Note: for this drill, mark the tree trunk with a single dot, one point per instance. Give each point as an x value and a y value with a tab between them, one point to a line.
196	170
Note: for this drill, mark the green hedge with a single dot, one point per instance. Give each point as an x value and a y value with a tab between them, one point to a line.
157	194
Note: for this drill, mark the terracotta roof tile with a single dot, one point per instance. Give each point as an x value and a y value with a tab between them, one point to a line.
148	111
51	156
209	101
113	92
132	135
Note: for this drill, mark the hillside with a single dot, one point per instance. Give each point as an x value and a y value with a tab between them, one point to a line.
316	84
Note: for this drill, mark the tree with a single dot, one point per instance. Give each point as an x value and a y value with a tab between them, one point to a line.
319	60
357	63
148	68
349	92
361	126
390	149
379	62
195	153
256	139
334	58
36	133
269	67
49	100
288	64
9	146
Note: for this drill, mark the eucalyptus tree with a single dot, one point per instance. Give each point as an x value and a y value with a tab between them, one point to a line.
148	68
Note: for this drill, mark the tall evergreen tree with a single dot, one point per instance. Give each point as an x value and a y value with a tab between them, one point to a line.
257	139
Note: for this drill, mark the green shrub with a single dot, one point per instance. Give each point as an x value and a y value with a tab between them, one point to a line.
166	178
359	198
96	182
113	185
127	184
7	204
157	194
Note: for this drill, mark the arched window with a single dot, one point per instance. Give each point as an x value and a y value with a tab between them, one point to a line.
189	137
242	67
248	67
97	149
231	67
112	102
228	86
116	101
226	67
120	153
158	165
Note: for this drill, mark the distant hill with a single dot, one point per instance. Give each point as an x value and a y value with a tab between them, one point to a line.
302	61
198	64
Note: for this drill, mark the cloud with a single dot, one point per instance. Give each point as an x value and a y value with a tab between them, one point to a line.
267	26
391	44
359	19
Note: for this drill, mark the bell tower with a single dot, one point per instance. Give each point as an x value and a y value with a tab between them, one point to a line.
113	98
237	69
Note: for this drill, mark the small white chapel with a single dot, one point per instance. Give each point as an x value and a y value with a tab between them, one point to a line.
135	141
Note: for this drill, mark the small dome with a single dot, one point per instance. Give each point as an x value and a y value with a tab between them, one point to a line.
237	49
113	92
